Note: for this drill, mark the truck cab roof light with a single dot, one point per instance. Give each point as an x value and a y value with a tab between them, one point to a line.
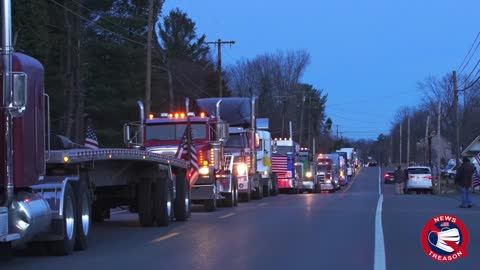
202	115
182	115
176	115
170	115
150	116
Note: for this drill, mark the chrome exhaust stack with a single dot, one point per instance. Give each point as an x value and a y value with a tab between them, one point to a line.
142	122
6	52
253	132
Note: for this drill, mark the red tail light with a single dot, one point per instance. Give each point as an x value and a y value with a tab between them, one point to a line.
386	175
428	177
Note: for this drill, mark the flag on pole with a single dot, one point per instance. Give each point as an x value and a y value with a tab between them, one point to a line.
91	140
186	150
476	175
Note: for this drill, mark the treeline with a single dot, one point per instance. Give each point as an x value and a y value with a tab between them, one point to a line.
94	54
437	107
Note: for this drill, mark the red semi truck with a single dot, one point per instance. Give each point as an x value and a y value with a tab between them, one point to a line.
51	194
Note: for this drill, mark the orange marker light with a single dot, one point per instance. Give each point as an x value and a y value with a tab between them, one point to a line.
150	116
202	115
170	115
182	115
176	115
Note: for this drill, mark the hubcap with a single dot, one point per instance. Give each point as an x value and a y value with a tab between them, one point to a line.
169	206
85	214
69	217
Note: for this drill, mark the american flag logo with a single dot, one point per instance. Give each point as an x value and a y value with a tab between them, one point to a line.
91	140
186	150
445	224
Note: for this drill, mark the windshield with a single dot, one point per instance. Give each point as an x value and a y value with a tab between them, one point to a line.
174	132
419	171
324	168
235	141
283	150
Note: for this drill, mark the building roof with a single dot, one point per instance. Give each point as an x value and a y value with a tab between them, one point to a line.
473	149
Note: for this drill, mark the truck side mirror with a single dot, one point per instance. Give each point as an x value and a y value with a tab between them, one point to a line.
19	81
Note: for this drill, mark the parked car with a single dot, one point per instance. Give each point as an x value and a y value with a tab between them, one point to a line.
449	171
372	164
419	179
389	178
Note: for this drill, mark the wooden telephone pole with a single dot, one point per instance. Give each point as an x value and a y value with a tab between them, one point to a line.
219	44
457	120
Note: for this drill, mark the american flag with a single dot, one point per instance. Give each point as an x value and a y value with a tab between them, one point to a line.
186	150
476	175
91	140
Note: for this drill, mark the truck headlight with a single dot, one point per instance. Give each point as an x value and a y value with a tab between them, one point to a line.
204	170
328	181
308	174
242	169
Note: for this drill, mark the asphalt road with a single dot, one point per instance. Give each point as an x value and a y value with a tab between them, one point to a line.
306	231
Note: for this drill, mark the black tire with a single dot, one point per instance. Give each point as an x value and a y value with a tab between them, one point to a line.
98	213
210	205
145	203
6	252
66	245
275	190
229	200
266	188
182	200
84	215
162	202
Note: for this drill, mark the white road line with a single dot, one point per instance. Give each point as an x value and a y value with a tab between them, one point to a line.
119	212
227	216
379	256
168	236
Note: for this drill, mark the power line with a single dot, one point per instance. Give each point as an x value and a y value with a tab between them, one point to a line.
460	68
473	70
96	23
110	21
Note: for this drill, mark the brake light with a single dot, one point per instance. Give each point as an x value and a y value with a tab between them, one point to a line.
428	177
386	175
410	176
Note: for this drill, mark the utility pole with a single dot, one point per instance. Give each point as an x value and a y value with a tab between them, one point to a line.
148	80
408	141
426	139
439	127
219	44
457	122
337	131
301	118
309	118
401	124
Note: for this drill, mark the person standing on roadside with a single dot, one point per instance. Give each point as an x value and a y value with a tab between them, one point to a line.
398	177
464	180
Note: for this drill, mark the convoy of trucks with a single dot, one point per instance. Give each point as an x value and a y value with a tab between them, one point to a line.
51	192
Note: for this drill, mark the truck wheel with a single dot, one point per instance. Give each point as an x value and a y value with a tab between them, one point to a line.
210	205
145	202
68	222
84	214
235	189
266	188
162	201
274	185
181	205
98	213
6	251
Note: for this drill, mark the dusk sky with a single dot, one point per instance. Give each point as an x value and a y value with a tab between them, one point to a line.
368	55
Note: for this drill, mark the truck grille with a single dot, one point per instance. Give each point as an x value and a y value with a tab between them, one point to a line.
3	221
